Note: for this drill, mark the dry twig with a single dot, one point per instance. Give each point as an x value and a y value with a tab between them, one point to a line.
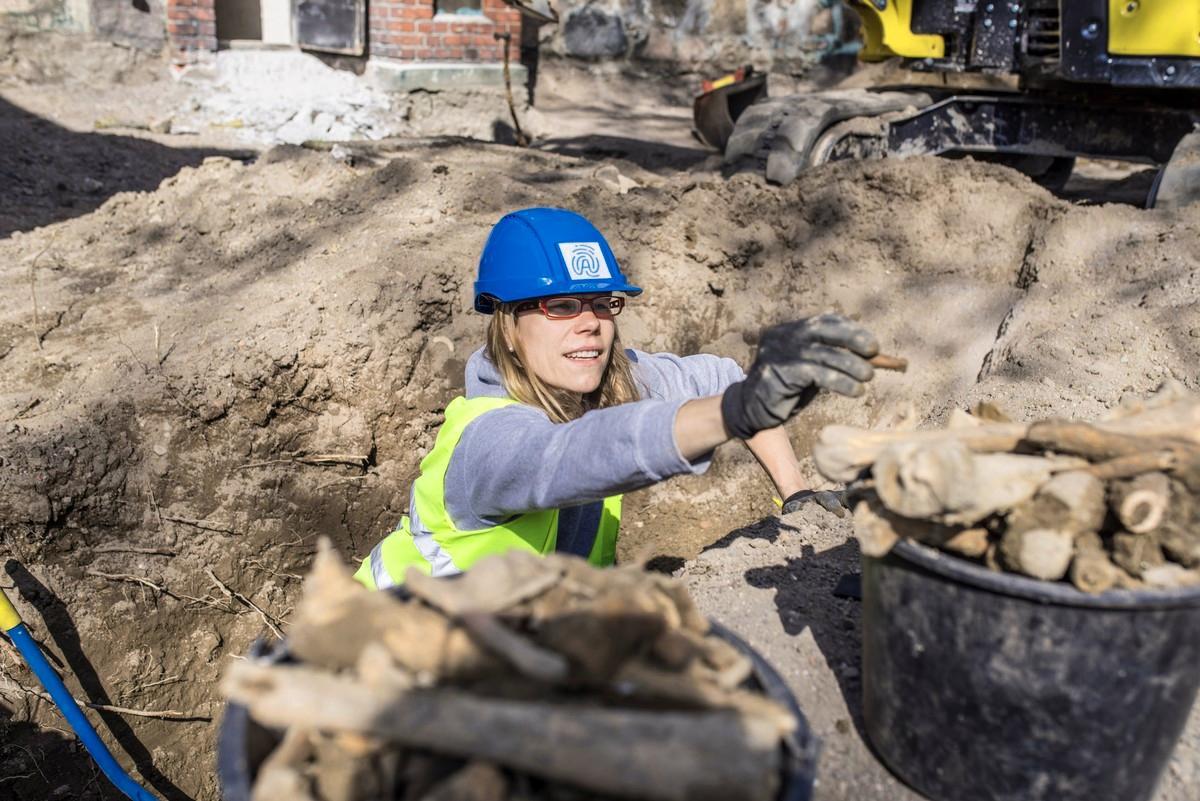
36	765
345	480
258	564
152	551
154	506
203	525
191	410
159	714
26	408
145	582
316	459
271	622
37	327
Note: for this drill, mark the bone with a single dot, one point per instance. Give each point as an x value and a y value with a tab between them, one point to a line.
1141	503
282	773
1042	553
842	452
1071	501
478	781
947	483
1091	570
885	362
653	755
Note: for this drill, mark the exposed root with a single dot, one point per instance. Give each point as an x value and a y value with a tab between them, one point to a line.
272	623
145	582
10	687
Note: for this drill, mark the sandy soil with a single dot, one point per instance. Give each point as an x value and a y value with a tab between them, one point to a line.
183	344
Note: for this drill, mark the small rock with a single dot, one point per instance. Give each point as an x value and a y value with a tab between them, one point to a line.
91	185
162	126
611	178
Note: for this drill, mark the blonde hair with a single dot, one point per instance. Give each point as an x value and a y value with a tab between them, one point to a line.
617	385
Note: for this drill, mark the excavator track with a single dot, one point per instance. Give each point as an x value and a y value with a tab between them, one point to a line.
783	132
1040	135
1179	182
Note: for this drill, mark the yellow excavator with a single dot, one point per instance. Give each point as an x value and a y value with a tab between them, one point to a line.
1030	83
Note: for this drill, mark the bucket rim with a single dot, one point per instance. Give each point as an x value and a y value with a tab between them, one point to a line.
1059	593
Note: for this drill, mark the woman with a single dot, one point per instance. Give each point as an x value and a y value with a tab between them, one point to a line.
559	419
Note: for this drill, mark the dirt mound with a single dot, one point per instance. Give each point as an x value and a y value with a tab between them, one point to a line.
211	374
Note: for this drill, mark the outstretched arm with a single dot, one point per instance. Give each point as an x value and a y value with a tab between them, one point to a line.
774	452
794	361
514	459
700	427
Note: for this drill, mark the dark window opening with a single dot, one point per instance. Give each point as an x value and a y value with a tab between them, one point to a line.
239	19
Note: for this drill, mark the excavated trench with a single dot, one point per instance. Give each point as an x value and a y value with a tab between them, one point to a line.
204	378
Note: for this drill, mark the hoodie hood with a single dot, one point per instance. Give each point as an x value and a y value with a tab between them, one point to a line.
482	378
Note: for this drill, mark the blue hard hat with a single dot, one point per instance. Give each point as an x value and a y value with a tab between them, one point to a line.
533	253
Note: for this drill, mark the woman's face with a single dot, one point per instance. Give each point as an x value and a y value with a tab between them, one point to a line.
568	354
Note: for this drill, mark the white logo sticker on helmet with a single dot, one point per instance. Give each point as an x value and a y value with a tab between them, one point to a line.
585	260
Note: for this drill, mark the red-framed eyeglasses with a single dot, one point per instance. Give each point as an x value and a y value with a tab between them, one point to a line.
565	308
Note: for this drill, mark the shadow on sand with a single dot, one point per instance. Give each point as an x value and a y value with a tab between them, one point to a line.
50	173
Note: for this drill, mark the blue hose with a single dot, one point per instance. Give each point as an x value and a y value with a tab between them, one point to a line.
66	704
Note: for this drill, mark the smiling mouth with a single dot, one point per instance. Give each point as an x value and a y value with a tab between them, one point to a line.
583	355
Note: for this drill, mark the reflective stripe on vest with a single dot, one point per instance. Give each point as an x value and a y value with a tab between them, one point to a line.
428	539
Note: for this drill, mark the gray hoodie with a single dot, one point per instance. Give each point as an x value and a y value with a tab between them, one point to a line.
514	459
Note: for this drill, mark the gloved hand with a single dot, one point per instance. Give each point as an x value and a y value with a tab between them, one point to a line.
794	361
828	500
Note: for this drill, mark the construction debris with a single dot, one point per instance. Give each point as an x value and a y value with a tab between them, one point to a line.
1109	504
526	677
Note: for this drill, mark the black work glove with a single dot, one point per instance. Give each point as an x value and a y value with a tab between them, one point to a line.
828	500
794	361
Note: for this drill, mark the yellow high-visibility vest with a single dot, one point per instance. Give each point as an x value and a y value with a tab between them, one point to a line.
428	539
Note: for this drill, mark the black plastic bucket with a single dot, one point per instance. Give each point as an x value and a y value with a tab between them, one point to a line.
243	744
983	686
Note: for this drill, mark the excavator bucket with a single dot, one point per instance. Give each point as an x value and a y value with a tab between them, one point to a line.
716	109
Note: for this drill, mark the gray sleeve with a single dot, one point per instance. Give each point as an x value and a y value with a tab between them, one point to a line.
669	377
514	459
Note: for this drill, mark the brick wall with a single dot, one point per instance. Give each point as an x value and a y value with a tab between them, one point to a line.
191	28
408	30
400	29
